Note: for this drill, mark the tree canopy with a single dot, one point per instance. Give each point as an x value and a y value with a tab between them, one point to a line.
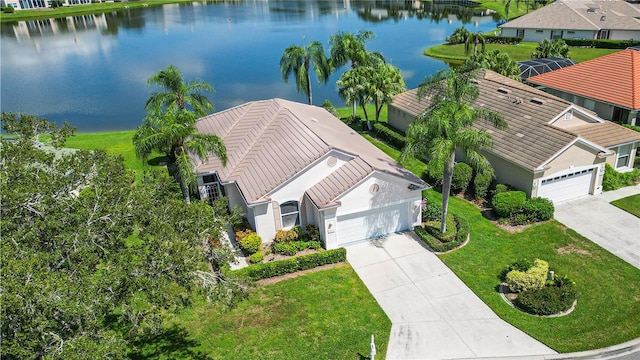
91	260
497	61
299	60
547	48
178	93
29	128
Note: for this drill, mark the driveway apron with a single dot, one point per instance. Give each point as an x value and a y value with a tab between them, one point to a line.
606	225
434	314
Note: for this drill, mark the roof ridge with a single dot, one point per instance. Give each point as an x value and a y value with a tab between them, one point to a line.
635	78
584	17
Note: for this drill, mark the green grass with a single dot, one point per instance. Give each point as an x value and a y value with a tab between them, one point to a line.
609	288
455	53
116	143
517	8
328	314
630	204
346	113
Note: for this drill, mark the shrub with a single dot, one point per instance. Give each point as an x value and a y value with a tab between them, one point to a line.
481	184
311	232
432	211
520	265
548	300
256	258
291	265
614	180
434	229
632	127
8	10
534	278
286	236
602	43
519	219
508	203
500	188
285	248
538	209
327	105
509	40
251	243
462	232
461	178
241	234
459	36
391	136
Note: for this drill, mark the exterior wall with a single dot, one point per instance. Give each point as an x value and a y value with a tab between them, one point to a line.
328	230
537	35
574	119
611	160
510	173
263	220
398	118
578	34
624	34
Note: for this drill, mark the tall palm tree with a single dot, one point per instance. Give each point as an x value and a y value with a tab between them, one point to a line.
174	134
298	59
179	94
352	89
348	47
474	39
497	61
507	7
383	83
446	125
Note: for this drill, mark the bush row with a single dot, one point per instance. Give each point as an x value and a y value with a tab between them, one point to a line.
613	179
307	232
513	205
391	136
601	43
510	40
462	233
291	265
8	10
291	248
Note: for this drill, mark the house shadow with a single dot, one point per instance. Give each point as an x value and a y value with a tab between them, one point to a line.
170	343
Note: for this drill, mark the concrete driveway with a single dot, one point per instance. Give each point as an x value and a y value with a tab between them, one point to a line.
608	226
434	314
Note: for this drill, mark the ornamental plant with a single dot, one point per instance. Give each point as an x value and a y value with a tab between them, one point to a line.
534	278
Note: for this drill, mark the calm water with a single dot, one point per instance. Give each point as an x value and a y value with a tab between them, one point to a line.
92	70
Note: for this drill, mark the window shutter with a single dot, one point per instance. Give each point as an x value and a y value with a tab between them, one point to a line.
277	219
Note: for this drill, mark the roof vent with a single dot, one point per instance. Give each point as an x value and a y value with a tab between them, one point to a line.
527	116
519	135
537	101
603	18
489	131
591	10
314	119
503	90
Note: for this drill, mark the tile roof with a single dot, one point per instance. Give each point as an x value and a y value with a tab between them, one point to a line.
581	15
613	78
606	133
530	141
269	141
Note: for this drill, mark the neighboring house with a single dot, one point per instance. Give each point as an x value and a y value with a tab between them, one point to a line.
578	19
39	4
533	67
552	148
295	164
608	85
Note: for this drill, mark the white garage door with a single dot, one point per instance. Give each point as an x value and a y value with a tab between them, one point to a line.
372	223
567	186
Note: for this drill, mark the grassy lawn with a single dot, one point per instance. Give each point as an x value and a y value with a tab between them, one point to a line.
455	53
609	288
116	143
630	204
328	314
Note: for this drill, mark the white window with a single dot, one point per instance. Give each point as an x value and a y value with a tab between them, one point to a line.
290	214
213	190
623	157
520	32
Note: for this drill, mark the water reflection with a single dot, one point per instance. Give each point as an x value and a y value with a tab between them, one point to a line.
91	69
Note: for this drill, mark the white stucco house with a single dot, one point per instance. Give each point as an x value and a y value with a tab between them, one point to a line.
578	19
552	148
295	164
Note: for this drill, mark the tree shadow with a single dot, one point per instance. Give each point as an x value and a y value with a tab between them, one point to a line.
363	357
158	161
170	343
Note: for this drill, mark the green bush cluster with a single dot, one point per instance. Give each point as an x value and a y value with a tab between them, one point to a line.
459	36
327	105
632	127
533	278
432	211
507	203
614	180
548	300
308	232
256	257
602	43
8	10
251	243
291	265
434	229
286	236
462	174
462	232
538	209
481	184
293	247
389	135
500	188
509	40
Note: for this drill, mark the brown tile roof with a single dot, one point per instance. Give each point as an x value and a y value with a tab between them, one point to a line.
606	133
613	78
581	15
529	141
269	141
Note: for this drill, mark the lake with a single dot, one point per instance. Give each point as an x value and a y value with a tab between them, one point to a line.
92	70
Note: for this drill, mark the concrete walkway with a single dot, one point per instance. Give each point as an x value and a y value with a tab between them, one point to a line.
434	314
606	225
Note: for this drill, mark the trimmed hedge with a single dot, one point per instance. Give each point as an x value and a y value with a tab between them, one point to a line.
510	40
291	265
462	174
462	233
534	278
481	184
449	235
293	247
256	258
508	203
389	135
548	300
601	43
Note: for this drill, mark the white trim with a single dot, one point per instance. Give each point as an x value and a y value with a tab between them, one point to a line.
576	108
577	139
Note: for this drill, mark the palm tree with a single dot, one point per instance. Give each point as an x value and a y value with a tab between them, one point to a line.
383	83
507	7
298	59
174	134
497	61
179	94
347	47
475	39
352	89
548	48
446	125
